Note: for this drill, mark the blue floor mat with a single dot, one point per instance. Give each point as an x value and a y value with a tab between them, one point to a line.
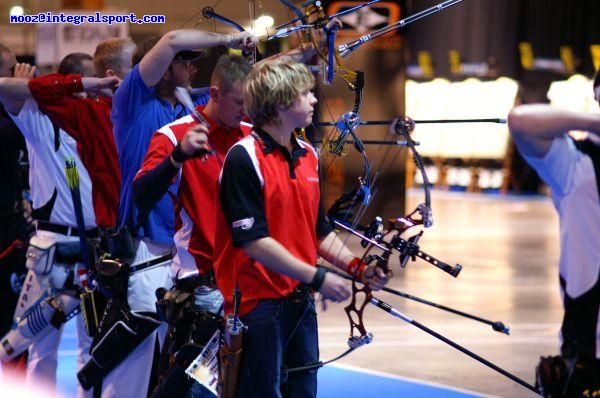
337	381
334	381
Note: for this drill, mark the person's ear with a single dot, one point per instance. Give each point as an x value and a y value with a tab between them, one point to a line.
167	75
214	93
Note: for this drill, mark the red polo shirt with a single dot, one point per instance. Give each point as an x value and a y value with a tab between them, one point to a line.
266	191
196	201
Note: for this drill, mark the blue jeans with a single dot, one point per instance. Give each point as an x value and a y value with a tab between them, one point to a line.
281	334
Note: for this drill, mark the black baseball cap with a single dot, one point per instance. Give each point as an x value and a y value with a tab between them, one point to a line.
189	55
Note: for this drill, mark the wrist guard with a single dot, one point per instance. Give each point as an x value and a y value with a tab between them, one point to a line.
318	279
178	155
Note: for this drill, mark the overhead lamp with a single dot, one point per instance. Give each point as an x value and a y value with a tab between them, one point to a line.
16	10
262	24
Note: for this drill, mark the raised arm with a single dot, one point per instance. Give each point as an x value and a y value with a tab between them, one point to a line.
535	126
57	87
13	93
156	63
54	94
104	86
14	90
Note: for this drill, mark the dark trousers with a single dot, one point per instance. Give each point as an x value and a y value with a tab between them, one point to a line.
580	323
281	334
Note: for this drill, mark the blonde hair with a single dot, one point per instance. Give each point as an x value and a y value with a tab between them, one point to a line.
272	84
109	54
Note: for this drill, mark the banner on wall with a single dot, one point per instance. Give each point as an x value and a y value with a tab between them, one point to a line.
368	19
55	40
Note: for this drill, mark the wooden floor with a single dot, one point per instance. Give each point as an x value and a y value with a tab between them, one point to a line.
508	247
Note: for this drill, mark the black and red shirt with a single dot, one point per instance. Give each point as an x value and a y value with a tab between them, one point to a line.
266	192
196	201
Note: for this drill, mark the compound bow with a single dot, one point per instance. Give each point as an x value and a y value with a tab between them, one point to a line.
342	209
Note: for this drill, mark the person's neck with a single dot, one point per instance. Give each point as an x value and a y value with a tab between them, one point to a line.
211	110
280	133
166	92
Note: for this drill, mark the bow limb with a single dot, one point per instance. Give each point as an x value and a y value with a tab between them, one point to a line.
326	51
209	13
299	14
343	209
403	126
358	332
422	215
353	79
359	335
355	82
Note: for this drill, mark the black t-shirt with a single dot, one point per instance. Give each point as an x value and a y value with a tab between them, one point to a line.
12	178
591	149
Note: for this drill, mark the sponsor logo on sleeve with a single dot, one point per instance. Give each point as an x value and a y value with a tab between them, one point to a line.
244	223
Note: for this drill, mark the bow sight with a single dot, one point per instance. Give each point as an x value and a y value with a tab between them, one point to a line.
407	249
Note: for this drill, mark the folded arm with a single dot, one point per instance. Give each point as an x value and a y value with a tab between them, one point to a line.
535	126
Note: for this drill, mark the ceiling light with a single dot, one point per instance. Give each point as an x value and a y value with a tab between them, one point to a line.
263	22
16	10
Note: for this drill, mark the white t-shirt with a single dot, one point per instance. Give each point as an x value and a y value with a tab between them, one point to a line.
48	151
570	175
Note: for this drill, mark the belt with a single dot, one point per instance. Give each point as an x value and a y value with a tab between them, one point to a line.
65	230
68	259
300	293
150	263
189	284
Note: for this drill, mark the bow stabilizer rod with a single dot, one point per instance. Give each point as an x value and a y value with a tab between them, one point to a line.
432	121
372	142
393	311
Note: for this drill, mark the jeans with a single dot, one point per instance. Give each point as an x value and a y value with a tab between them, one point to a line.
281	334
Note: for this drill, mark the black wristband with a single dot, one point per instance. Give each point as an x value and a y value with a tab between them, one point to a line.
318	279
178	155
